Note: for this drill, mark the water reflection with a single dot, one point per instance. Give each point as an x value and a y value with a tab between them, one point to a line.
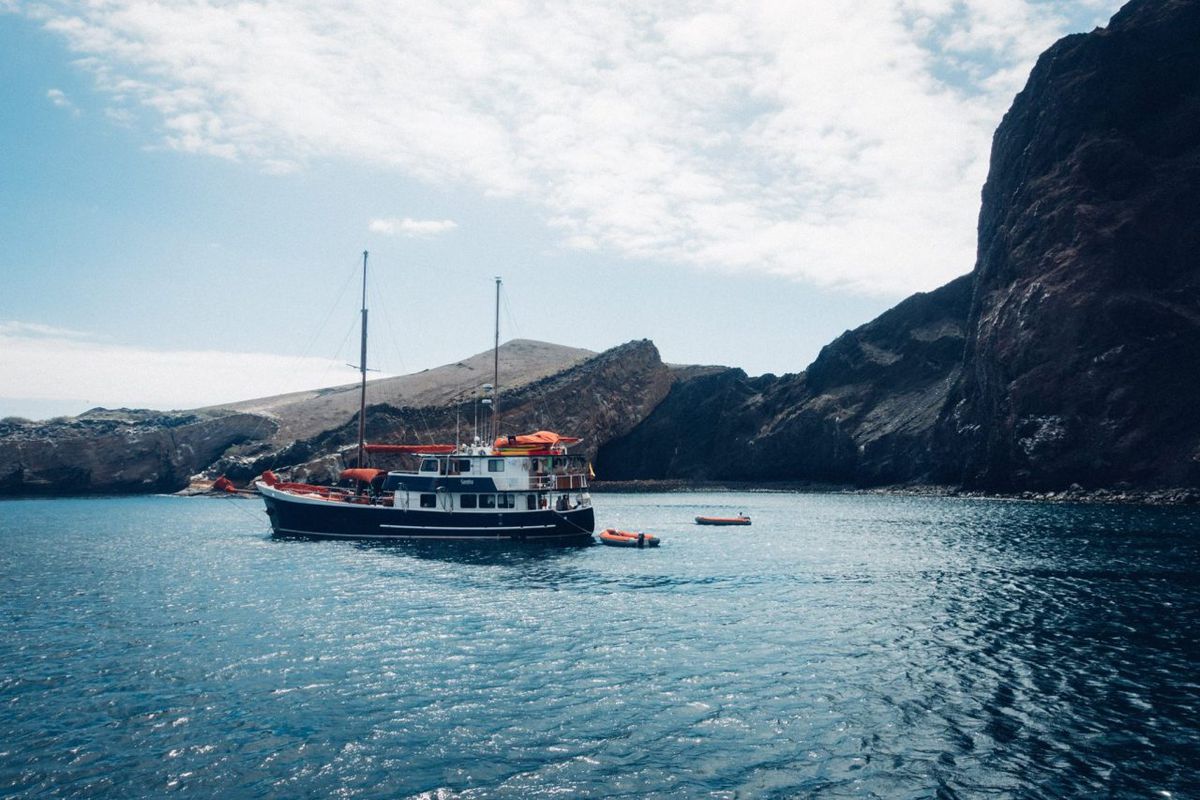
498	553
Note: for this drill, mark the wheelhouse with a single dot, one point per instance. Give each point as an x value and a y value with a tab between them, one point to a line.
487	483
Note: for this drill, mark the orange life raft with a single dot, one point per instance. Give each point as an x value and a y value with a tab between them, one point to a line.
615	538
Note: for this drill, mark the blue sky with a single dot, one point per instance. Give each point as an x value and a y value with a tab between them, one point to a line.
185	190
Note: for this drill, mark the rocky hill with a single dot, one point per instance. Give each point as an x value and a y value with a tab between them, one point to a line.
598	399
301	415
138	450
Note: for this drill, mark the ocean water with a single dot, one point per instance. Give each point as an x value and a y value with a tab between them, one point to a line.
841	646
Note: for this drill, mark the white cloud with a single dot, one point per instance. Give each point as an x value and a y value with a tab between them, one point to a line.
843	145
68	373
60	100
418	228
37	329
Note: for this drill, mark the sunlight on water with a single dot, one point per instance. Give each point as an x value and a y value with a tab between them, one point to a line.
841	646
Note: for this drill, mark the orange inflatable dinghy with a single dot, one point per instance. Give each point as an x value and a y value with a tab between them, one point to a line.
615	538
741	519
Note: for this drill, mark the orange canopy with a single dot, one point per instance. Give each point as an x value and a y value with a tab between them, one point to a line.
363	474
536	440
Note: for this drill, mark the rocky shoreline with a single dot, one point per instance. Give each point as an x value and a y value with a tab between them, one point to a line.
1179	496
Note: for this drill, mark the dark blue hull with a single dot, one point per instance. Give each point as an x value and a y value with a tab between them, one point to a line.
331	520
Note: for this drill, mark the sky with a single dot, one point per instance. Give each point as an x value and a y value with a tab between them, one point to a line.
186	188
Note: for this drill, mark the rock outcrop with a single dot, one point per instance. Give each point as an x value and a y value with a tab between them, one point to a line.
597	400
863	413
118	451
1083	355
302	415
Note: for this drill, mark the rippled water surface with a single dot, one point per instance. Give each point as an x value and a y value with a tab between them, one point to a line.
842	646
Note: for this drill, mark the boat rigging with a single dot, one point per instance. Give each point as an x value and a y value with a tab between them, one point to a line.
519	487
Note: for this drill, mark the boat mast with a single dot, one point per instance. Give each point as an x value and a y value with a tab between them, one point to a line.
496	368
362	366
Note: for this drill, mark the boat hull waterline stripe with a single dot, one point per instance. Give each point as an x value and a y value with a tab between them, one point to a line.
488	528
484	535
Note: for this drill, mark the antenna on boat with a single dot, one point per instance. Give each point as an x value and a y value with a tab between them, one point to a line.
496	368
487	431
479	435
458	401
362	366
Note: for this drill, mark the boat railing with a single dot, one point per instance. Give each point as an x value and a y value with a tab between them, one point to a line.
574	480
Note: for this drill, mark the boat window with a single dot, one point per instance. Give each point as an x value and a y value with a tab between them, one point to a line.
531	501
487	501
505	501
467	501
464	465
428	501
495	465
429	465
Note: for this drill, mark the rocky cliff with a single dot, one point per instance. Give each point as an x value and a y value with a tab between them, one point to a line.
863	413
1083	346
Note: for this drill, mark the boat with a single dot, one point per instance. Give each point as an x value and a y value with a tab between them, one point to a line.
511	488
615	538
740	519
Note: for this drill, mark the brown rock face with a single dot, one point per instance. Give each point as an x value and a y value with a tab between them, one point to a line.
302	415
598	399
1083	358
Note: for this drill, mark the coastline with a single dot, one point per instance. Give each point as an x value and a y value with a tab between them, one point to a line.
1175	496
